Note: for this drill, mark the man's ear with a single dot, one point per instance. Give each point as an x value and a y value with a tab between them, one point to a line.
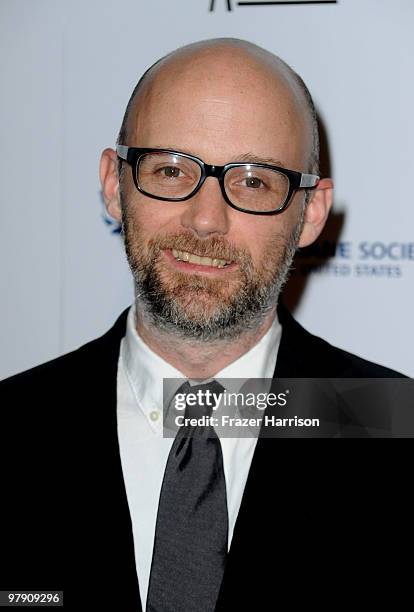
317	212
108	172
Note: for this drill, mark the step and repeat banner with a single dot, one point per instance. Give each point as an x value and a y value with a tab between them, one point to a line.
67	71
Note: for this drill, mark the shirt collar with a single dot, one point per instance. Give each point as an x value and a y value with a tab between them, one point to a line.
258	362
146	370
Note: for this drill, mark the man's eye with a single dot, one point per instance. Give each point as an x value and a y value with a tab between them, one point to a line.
170	171
253	181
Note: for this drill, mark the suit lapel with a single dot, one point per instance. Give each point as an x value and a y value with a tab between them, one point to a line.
110	527
297	358
288	365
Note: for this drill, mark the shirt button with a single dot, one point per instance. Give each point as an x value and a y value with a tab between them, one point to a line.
154	415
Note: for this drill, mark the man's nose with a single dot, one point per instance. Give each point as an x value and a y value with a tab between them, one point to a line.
207	212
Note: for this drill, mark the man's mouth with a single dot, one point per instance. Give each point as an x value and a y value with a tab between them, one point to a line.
197	259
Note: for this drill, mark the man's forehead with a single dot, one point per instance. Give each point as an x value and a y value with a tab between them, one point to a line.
213	70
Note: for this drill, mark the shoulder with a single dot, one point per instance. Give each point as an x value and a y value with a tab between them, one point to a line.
353	364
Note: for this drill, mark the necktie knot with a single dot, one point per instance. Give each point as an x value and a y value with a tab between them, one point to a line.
202	399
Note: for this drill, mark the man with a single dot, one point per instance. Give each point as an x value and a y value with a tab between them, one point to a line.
215	181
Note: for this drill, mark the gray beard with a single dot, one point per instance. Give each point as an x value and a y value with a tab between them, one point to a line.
244	312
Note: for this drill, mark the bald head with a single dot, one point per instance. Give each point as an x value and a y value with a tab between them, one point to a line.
227	74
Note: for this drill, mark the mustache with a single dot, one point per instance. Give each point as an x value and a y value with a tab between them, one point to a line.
215	247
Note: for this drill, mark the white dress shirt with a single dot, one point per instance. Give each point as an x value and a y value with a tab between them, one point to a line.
143	449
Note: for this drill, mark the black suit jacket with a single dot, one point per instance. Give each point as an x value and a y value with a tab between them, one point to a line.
65	520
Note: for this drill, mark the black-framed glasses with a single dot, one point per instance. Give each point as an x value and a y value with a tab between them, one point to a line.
258	189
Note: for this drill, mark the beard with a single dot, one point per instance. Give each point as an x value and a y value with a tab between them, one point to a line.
199	307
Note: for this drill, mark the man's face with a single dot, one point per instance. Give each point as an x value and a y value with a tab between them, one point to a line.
220	117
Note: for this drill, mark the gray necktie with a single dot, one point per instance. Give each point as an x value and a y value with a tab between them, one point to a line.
191	533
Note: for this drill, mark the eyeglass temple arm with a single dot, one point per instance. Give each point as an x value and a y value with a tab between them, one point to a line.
122	151
309	180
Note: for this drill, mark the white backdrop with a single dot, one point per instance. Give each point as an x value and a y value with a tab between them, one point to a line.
67	70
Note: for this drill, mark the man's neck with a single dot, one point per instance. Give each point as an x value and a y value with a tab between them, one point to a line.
200	359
